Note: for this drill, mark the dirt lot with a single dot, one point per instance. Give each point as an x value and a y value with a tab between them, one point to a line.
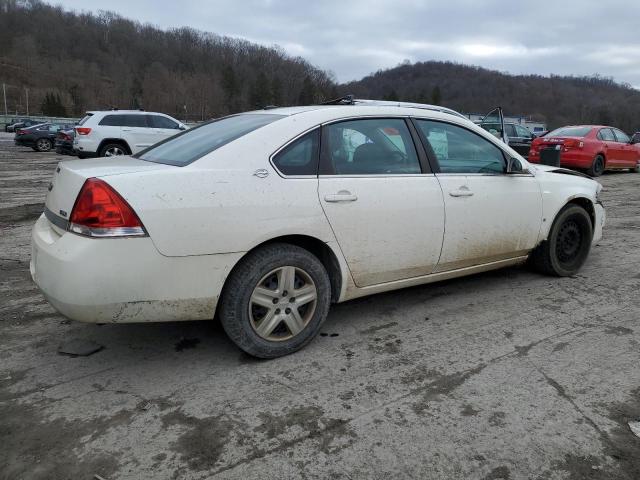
505	375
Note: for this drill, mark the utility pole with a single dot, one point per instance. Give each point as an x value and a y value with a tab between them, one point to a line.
27	91
4	94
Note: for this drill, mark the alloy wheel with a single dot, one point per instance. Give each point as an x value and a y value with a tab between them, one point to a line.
113	152
283	303
43	145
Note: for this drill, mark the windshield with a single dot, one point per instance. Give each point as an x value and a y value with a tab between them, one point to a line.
569	132
193	144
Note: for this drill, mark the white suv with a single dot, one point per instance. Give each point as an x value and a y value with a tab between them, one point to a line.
122	132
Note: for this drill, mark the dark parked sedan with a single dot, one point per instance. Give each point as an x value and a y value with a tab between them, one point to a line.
64	142
39	137
17	124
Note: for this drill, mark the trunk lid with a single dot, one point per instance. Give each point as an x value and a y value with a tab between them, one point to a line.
69	177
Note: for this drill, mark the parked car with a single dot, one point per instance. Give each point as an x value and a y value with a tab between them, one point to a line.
13	127
122	132
39	137
594	148
64	142
518	136
247	218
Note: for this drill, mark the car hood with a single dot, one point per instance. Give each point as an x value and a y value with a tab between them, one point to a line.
564	171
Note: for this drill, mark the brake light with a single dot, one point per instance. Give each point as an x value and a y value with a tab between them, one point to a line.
20	132
100	211
83	130
571	143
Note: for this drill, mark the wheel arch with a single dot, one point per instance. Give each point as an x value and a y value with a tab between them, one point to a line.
580	200
119	141
316	247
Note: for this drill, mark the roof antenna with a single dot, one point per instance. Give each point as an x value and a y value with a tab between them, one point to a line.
349	99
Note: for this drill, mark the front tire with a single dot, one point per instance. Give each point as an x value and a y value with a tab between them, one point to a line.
597	166
567	247
43	145
275	300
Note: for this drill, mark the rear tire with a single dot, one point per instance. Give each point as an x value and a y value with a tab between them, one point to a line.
567	247
113	150
597	166
275	301
43	145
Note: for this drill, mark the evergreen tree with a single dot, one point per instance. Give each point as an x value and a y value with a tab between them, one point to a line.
436	96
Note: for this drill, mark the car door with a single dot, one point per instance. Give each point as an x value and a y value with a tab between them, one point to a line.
521	142
137	132
496	118
629	155
382	202
614	152
163	127
491	215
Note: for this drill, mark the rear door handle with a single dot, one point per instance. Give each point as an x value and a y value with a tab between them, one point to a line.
341	196
126	129
461	192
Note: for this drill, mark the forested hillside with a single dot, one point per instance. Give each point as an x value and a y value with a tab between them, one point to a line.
555	100
85	61
70	62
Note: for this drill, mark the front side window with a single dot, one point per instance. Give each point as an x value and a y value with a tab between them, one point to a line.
192	144
621	136
158	121
522	131
459	150
511	130
301	156
606	135
370	147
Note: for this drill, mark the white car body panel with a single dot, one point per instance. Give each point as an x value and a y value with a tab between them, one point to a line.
202	219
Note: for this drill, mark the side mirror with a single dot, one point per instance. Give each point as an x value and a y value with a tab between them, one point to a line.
182	127
514	166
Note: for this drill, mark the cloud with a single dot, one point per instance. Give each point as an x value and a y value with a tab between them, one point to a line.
358	37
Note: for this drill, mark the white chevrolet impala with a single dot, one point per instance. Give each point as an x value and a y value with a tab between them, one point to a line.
265	218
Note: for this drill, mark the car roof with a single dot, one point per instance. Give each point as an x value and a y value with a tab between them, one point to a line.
356	104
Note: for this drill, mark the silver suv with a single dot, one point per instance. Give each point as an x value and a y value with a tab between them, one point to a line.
122	132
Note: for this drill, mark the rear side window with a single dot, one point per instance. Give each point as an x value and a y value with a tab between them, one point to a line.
109	121
570	132
300	157
193	144
158	121
135	121
606	135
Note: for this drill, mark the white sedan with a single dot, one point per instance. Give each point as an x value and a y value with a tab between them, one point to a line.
265	218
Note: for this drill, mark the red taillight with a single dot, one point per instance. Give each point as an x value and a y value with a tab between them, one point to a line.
83	130
572	143
100	211
20	132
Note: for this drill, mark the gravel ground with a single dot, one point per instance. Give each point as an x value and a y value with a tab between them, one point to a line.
504	375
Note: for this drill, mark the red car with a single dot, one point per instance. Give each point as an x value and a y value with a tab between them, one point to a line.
594	148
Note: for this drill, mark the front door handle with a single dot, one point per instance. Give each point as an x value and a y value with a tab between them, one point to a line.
341	196
461	192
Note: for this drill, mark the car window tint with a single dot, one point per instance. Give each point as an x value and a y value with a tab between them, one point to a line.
606	135
511	131
370	147
459	150
523	131
111	121
85	118
192	144
621	136
301	156
135	121
158	121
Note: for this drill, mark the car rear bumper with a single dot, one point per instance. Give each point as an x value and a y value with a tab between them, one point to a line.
123	280
24	142
570	159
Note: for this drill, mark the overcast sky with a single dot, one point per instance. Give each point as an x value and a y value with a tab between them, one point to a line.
352	38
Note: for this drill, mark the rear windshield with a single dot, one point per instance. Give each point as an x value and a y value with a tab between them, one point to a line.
569	132
85	118
193	144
